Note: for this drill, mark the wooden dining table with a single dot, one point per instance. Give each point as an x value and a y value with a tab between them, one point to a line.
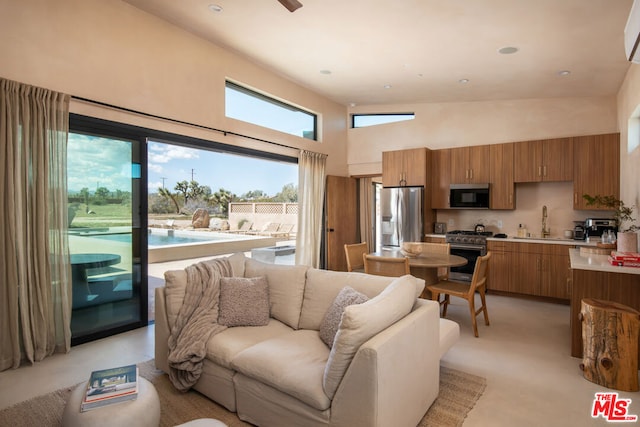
425	265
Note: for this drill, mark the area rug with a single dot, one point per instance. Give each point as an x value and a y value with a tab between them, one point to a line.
459	392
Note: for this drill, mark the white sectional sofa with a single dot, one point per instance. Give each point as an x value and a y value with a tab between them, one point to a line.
382	369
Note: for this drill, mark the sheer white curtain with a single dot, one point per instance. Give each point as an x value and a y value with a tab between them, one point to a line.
35	300
366	212
311	184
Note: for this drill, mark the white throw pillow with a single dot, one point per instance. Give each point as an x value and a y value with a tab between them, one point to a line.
363	321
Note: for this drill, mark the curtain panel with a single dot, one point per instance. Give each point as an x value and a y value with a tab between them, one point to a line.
366	212
311	185
35	288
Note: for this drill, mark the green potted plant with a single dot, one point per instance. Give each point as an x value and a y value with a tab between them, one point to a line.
623	215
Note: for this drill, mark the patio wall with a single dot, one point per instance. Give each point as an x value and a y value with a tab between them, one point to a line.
262	213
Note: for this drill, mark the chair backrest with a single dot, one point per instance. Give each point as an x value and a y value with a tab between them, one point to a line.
354	253
479	273
386	266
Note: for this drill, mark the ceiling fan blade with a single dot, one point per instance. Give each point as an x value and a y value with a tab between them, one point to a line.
291	5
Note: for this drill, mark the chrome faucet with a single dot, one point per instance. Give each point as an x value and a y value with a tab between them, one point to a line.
545	231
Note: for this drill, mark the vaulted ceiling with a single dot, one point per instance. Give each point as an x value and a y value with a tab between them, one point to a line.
416	51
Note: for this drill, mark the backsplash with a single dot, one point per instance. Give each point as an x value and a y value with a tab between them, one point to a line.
530	198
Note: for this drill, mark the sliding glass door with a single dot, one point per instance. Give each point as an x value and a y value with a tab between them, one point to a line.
105	235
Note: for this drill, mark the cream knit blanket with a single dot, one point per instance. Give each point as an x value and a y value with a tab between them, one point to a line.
197	321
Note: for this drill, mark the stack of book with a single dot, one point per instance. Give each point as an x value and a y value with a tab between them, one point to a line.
625	259
109	386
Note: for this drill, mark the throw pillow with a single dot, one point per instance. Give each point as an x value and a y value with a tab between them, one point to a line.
329	326
361	322
244	301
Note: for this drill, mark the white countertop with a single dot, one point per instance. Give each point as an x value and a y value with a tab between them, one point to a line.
595	262
549	241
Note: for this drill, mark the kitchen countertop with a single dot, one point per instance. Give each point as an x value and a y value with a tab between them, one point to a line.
548	240
596	262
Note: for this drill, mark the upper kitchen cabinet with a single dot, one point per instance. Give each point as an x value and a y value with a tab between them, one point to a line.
596	167
440	178
501	176
470	164
404	167
547	160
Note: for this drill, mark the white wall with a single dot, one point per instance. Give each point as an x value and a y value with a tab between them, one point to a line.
111	52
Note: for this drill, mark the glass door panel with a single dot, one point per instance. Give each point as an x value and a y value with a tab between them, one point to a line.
105	236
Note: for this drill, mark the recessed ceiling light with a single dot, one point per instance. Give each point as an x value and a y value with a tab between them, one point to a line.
387	86
463	81
352	104
325	71
215	8
564	72
508	50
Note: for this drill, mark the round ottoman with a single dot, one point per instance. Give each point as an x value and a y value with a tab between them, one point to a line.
144	411
203	422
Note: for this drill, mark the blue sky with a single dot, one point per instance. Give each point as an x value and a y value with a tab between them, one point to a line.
234	173
102	162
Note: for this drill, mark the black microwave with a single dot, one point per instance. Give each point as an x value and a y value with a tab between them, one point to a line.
469	196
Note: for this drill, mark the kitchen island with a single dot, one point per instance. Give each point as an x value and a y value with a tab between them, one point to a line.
592	276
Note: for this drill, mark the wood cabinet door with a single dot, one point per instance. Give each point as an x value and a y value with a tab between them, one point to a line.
526	269
596	167
479	164
557	159
556	273
527	158
392	168
341	219
501	176
415	166
459	171
440	178
499	267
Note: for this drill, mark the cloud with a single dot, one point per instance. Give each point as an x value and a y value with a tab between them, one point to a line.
165	153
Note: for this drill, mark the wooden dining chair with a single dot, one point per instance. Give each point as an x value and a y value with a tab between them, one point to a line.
354	253
434	248
466	291
386	266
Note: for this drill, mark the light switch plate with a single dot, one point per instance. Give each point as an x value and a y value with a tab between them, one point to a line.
499	223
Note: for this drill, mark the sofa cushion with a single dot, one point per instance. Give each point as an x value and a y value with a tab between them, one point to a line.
292	363
244	301
363	321
286	288
329	326
223	347
176	283
323	287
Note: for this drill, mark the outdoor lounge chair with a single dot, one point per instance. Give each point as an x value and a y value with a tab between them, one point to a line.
283	231
270	227
244	229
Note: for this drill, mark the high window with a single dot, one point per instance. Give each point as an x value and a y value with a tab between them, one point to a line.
363	120
253	107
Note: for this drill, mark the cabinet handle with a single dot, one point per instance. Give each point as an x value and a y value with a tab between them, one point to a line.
575	198
466	174
544	170
539	170
470	173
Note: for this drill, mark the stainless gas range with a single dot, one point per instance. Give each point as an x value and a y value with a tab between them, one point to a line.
467	244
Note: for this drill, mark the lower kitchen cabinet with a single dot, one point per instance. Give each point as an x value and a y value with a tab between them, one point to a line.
536	269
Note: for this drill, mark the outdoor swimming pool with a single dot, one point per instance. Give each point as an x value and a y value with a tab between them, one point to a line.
157	239
172	245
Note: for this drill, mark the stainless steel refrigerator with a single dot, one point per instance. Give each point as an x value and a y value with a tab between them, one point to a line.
401	211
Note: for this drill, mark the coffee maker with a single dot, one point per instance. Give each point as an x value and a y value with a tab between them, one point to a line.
594	227
578	231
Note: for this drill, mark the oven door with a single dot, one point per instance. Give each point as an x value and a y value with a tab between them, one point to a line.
464	273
